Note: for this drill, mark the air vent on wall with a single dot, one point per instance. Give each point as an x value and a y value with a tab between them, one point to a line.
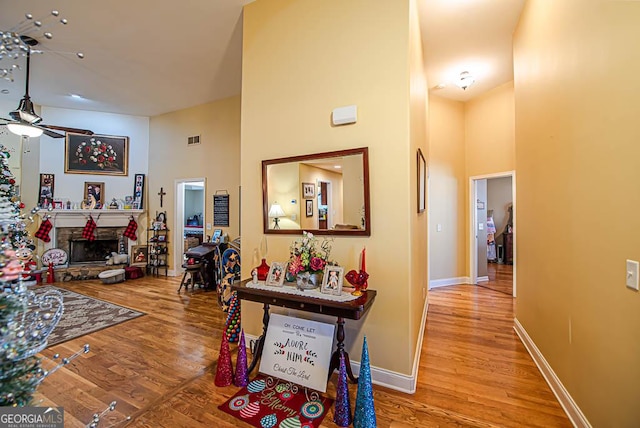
192	141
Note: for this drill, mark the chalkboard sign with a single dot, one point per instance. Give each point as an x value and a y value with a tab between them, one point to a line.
221	210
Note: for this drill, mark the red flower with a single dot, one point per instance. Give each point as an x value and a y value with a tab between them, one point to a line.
103	148
87	149
295	265
110	158
100	158
83	161
317	264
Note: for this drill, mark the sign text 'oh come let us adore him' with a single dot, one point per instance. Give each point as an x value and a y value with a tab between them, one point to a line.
298	351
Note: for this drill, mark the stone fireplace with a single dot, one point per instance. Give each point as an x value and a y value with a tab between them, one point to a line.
82	251
111	224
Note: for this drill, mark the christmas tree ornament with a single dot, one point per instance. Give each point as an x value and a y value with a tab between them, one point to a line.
224	371
242	370
342	409
365	413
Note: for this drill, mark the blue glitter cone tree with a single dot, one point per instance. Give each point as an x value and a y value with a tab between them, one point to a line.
365	414
242	370
342	409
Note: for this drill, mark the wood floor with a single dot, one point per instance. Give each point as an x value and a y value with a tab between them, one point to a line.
160	368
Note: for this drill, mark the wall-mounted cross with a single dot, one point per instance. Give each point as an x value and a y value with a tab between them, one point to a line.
161	193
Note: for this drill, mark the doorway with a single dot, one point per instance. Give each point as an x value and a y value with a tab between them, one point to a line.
324	197
492	237
190	212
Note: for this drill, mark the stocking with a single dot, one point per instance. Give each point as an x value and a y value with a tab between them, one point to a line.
89	228
43	231
130	231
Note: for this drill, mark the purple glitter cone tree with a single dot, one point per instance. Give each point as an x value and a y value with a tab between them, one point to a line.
224	372
242	375
365	414
342	409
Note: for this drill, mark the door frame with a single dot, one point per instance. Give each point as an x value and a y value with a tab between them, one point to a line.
178	227
473	245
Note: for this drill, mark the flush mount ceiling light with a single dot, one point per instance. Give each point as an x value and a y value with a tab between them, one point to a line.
466	80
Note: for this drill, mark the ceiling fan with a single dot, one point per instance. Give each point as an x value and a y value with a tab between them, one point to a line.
24	120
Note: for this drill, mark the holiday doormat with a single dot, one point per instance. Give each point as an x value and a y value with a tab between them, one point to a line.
270	402
83	315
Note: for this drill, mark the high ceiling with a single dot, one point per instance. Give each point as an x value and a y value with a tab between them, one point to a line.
147	57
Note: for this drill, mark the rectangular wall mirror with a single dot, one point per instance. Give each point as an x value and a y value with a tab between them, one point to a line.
323	193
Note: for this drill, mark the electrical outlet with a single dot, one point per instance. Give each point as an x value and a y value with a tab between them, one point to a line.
208	226
480	226
438	227
632	275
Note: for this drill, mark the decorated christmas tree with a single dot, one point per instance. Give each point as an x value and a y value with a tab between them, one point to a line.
23	332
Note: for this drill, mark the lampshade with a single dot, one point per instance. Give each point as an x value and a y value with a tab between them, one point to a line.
276	210
24	130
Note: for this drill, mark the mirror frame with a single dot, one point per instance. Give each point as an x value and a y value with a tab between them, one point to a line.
364	151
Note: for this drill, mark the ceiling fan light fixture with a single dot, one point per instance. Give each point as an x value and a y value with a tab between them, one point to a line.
466	80
24	130
26	112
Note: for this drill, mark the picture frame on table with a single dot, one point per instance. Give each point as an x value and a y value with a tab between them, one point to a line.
308	190
96	190
139	255
309	208
47	182
276	274
138	192
96	154
332	280
57	205
422	182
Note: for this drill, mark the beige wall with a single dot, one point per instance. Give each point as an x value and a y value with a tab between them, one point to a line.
217	158
577	90
418	235
447	189
290	85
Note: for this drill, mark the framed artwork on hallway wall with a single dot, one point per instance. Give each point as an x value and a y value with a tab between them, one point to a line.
96	154
422	182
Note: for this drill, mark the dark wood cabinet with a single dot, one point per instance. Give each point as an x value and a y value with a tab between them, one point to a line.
507	241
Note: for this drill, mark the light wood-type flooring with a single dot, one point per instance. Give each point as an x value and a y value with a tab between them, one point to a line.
160	368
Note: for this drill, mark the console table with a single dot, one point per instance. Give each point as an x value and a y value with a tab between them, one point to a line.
353	309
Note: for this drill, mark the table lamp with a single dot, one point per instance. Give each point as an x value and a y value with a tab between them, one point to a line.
276	212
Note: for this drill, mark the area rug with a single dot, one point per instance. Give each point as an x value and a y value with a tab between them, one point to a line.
270	402
83	315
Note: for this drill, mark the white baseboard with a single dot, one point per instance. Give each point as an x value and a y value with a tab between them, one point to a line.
383	377
483	279
566	401
434	283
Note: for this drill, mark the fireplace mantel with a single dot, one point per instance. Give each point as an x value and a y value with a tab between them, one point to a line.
78	218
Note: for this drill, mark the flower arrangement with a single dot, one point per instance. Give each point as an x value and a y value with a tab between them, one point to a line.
307	254
97	152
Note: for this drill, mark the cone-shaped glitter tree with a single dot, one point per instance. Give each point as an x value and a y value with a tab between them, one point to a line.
233	320
224	372
342	410
242	375
365	414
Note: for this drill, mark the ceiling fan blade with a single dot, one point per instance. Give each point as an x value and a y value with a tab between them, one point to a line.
67	129
48	132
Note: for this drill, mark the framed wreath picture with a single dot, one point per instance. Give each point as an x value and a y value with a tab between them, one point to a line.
96	154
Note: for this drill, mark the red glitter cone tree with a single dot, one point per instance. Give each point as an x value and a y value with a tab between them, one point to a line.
224	372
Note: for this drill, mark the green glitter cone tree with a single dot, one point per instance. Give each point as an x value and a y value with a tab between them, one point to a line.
365	413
